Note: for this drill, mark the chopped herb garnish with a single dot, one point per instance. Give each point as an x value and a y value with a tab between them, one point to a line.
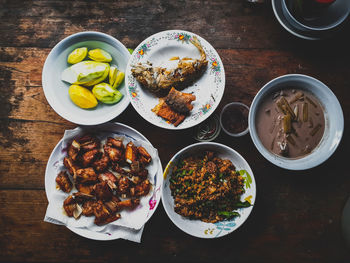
228	214
241	204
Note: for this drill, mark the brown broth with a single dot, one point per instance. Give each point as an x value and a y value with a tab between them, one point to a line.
295	138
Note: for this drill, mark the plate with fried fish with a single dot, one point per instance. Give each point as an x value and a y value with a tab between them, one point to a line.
175	79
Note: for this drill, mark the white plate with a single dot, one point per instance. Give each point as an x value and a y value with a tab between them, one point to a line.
158	49
56	90
198	228
118	129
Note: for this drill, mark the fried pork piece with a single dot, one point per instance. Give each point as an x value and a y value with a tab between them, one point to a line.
135	167
144	156
81	197
141	173
159	80
128	204
84	188
116	167
88	208
102	214
180	101
138	172
63	182
112	205
141	189
69	205
114	154
70	165
163	110
86	175
109	178
123	185
101	164
115	143
116	205
102	191
73	150
130	153
88	143
135	180
88	157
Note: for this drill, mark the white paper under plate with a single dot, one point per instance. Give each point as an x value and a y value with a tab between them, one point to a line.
131	223
158	49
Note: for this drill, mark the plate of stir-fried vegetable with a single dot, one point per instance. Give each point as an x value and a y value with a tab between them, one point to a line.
208	190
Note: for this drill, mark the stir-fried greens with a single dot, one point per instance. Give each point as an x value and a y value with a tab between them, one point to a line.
207	188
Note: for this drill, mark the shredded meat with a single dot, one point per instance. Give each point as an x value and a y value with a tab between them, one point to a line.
206	187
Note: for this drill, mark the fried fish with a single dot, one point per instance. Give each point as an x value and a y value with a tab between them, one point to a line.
159	80
180	101
175	106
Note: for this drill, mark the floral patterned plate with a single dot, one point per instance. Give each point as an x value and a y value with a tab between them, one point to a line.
198	228
158	49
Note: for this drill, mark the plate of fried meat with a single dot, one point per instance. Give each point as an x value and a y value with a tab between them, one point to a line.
175	79
103	182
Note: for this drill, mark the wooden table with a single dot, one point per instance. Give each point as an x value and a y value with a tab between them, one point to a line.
297	214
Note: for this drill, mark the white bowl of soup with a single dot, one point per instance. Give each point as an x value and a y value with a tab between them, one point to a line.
296	122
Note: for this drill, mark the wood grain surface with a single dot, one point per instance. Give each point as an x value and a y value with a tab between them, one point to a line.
297	215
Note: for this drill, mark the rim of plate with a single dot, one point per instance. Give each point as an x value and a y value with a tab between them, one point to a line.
170	126
55	51
96	235
165	174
